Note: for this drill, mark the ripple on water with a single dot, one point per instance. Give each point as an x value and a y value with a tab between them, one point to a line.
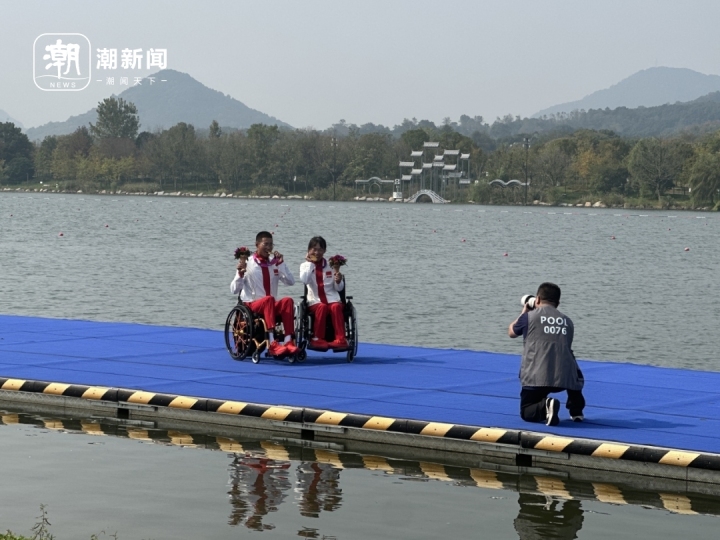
640	298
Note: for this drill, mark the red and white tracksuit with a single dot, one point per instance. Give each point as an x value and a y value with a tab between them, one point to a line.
258	289
323	297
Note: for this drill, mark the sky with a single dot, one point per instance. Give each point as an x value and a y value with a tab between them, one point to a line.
311	63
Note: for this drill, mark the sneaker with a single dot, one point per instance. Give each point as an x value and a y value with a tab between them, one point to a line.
276	349
290	347
578	418
339	344
318	344
551	411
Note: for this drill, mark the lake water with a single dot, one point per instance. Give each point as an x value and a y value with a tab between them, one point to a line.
149	483
427	275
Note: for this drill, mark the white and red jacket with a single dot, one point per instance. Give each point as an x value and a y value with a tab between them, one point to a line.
261	279
320	281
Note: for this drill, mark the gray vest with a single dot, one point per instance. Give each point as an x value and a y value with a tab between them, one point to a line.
547	358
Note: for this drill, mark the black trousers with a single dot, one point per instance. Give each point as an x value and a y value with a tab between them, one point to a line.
532	402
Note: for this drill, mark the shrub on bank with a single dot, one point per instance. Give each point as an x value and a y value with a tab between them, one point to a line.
342	193
141	187
268	191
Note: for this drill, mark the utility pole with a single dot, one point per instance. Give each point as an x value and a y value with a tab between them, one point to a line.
526	144
333	143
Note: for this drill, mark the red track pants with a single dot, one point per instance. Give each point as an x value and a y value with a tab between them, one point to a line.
320	312
268	308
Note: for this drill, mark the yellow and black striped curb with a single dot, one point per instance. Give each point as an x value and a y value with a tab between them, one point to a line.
301	415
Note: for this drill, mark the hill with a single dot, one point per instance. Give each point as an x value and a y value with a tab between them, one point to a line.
5	117
647	88
699	116
163	104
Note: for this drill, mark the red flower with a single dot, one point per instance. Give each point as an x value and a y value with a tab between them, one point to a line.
242	252
337	260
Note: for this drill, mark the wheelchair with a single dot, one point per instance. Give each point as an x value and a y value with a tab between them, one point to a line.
246	334
304	322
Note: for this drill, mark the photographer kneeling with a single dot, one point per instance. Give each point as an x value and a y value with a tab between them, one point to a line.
548	363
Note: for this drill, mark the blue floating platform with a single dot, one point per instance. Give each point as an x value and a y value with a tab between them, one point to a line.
627	403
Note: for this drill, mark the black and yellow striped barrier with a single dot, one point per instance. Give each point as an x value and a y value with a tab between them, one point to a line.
614	450
299	415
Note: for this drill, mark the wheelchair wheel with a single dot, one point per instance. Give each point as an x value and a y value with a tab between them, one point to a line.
256	357
239	332
351	333
301	325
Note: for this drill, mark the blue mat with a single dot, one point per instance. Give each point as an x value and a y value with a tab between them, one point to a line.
626	402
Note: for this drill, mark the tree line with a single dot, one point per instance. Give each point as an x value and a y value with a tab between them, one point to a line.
562	165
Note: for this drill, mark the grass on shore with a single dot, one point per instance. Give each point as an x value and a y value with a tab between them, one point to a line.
41	530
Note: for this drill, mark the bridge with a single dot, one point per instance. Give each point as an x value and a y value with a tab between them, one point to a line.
434	197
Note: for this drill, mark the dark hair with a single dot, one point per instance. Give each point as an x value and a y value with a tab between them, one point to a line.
317	241
549	292
262	234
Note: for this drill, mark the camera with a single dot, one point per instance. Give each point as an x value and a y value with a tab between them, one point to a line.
528	300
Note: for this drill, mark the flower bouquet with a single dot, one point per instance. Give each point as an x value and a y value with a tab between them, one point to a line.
242	253
336	261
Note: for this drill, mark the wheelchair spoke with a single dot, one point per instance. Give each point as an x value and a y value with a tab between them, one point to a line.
238	332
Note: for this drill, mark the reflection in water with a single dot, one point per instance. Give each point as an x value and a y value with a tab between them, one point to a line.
258	486
542	517
263	472
319	487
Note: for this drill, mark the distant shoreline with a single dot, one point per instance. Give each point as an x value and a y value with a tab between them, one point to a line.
359	198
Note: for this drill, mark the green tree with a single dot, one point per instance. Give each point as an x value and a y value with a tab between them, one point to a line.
16	151
705	177
44	157
177	153
261	139
287	154
507	163
117	119
415	138
215	130
373	155
655	164
68	151
608	172
552	164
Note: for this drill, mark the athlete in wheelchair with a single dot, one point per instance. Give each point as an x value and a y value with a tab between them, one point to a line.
260	322
326	317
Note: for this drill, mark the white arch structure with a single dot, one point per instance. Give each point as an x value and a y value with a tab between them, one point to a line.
434	197
509	183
